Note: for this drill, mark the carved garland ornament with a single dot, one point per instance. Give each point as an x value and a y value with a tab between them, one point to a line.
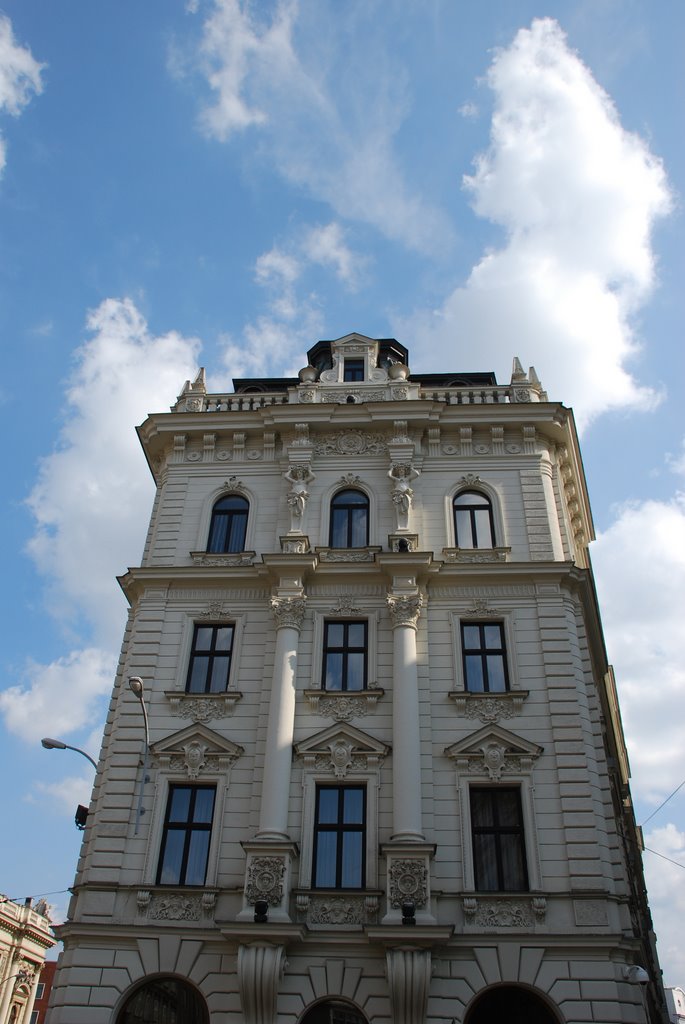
351	442
265	880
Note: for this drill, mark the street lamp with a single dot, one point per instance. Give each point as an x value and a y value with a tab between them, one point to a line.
51	744
136	687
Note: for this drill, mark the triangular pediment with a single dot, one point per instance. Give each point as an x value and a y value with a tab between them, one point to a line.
196	750
341	749
494	751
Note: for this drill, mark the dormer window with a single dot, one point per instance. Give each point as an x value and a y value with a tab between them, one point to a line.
353	370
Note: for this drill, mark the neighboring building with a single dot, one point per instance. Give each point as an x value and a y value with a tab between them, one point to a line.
386	779
25	937
43	991
675	1001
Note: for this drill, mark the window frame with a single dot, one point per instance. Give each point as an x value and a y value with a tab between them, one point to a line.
189	828
211	655
356	367
345	650
348	530
339	828
472	509
497	832
40	990
244	515
484	653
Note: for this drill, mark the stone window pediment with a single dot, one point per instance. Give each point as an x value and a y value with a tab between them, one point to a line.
196	750
342	749
493	752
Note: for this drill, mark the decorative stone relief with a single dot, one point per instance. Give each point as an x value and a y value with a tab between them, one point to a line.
175	907
408	879
489	707
470	480
265	880
344	706
340	750
405	611
345	606
195	750
295	545
288	611
233	483
351	442
299	475
302	435
493	752
307	395
203	708
481	608
349	480
214	610
359	394
336	910
497	913
475	556
347	554
223	560
143	900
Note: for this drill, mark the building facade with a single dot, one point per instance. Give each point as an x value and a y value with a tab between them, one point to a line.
386	778
25	937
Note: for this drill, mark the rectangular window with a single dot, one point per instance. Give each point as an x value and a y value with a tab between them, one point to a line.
484	657
499	853
353	370
40	989
187	831
34	1014
344	656
210	659
340	837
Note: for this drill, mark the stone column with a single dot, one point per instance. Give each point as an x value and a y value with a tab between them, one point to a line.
273	818
406	777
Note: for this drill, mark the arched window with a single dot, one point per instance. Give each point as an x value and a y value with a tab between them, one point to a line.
349	520
333	1011
164	1001
474	525
512	1003
229	524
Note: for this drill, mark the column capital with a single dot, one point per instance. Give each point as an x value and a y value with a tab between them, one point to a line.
288	611
404	610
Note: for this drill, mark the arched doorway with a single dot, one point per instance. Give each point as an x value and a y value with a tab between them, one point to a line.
164	1001
510	1003
333	1011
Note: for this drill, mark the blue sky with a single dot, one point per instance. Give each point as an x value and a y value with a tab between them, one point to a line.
222	184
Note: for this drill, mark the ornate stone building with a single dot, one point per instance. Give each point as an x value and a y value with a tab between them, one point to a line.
25	937
386	778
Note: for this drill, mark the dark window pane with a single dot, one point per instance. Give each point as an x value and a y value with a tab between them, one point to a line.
334	672
179	806
474	673
236	537
219	681
481	807
203	638
355	672
353	369
353	807
204	805
352	854
485	862
508	807
328	805
217	535
496	678
224	638
339	529
198	675
359	532
513	867
325	867
463	525
335	633
471	636
357	634
170	872
196	868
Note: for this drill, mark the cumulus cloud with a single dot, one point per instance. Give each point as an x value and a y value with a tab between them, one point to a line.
19	76
87	504
325	128
667	897
640	568
89	494
37	707
577	197
325	244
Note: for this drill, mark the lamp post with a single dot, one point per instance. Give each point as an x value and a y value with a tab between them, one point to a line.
51	744
137	689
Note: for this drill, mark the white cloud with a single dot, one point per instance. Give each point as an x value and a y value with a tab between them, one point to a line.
469	110
640	568
334	138
19	76
577	197
89	494
87	505
667	897
68	792
325	244
38	706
